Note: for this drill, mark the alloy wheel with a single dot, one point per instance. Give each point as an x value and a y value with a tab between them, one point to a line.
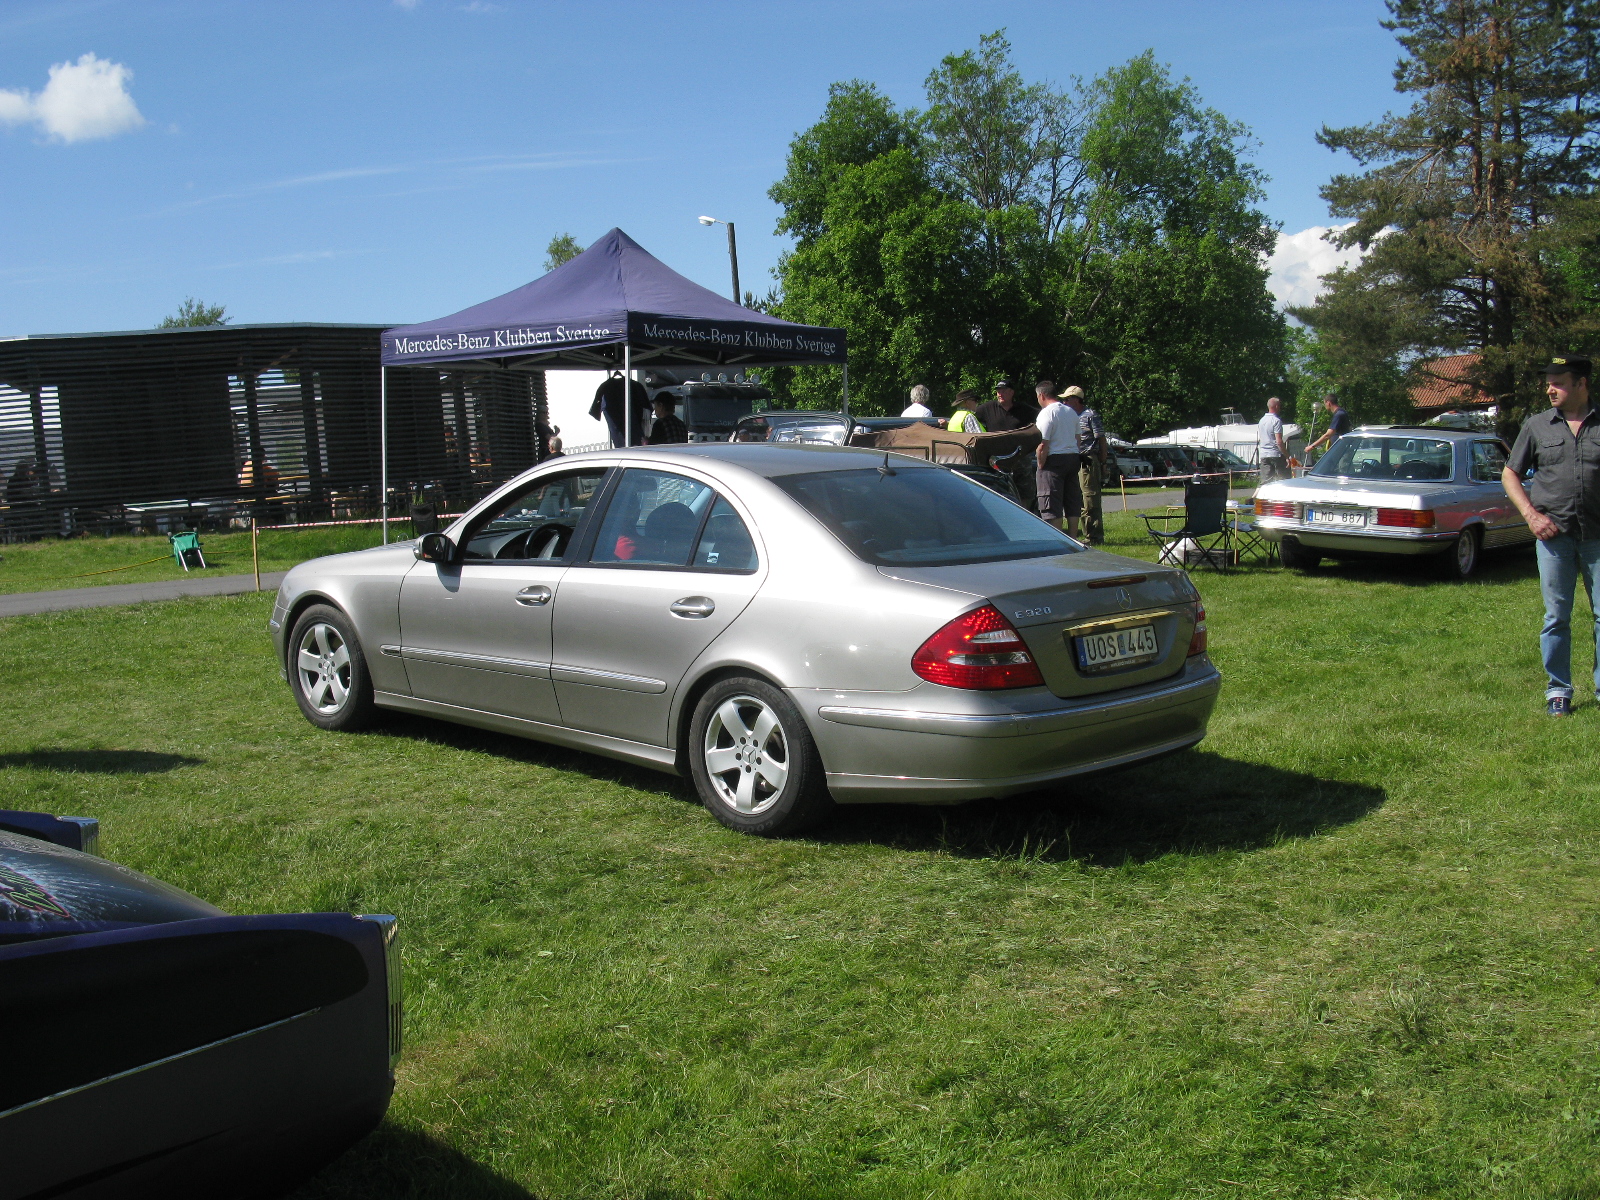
746	754
323	664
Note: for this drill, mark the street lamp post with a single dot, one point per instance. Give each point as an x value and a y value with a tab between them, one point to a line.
733	253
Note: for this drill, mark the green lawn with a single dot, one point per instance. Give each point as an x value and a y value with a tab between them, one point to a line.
95	561
1347	949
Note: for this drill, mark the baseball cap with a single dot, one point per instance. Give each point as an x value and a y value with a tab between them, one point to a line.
1005	383
1575	363
1074	390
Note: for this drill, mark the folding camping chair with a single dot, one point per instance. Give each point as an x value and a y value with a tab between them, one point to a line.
1206	534
186	549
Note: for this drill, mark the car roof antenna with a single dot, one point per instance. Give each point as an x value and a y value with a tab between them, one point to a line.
886	469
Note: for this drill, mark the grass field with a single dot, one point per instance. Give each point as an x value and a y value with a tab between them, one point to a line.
95	561
1349	948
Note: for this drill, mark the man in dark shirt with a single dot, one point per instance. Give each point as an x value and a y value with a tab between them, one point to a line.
667	429
608	401
1338	425
1001	415
1562	446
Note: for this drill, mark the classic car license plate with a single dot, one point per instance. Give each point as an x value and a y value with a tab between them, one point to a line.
1325	516
1116	647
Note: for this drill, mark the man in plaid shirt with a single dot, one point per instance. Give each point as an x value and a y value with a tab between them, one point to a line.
666	428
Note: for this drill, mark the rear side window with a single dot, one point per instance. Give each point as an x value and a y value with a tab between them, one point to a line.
652	519
921	516
1488	460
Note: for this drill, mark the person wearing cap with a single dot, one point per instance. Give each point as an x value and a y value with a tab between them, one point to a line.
1091	463
1057	456
1562	447
1002	415
965	417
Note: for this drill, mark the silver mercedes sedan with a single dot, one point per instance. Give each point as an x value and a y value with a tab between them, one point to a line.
1396	490
789	626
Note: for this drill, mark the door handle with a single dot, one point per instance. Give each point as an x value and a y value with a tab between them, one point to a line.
534	596
693	606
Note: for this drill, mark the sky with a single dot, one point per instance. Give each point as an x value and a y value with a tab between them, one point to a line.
392	162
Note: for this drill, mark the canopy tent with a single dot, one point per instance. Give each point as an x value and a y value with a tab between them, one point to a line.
614	306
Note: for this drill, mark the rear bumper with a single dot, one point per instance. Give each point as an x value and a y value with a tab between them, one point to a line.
877	754
1370	541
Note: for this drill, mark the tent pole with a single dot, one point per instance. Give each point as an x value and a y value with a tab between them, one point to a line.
845	367
627	395
383	448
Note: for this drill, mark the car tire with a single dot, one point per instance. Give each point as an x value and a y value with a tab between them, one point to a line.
1461	560
754	763
1296	557
328	671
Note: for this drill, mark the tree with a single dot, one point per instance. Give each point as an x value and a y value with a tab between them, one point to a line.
562	248
1472	201
194	312
1107	236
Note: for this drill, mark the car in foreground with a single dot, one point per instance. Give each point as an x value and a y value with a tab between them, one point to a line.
789	626
160	1047
1396	490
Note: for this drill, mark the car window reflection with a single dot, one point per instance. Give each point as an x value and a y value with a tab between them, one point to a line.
536	524
1388	457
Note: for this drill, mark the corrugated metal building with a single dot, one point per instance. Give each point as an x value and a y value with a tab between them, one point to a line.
166	427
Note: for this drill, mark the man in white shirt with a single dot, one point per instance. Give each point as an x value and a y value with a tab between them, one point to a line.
919	402
1273	454
1057	452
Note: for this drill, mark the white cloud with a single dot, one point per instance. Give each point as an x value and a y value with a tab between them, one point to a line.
1300	259
83	100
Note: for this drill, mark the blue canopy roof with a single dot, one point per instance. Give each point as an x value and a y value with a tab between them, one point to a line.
615	293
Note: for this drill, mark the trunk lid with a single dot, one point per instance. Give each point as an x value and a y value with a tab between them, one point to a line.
1054	601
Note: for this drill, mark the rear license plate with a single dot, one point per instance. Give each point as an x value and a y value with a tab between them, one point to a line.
1116	648
1324	516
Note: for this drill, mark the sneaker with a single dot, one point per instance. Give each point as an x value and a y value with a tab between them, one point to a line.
1559	706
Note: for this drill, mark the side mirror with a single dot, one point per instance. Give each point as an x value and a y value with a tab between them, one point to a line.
435	548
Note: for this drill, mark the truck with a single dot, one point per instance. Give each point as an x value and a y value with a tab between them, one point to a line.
710	402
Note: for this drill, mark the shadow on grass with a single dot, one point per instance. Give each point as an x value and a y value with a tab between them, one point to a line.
1497	568
99	762
1191	803
402	1164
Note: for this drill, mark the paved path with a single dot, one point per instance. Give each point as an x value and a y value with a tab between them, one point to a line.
1111	500
23	603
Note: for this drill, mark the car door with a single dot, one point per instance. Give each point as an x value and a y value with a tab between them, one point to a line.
476	632
671	564
1502	522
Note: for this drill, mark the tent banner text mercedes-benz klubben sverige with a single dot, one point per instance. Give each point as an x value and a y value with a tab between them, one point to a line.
732	338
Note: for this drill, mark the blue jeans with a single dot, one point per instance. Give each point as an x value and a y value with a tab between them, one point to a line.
1560	560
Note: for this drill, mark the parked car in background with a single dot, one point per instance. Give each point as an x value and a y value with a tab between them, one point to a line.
1396	490
796	426
790	626
159	1047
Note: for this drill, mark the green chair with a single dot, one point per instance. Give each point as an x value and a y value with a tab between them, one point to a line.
186	549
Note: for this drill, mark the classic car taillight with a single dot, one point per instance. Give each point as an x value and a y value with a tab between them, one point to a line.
1197	644
1406	518
1274	508
979	649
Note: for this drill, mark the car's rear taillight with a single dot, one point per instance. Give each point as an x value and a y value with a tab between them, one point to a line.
1406	518
1197	643
1274	508
979	649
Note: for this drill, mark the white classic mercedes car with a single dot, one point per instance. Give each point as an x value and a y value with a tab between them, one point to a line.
1396	489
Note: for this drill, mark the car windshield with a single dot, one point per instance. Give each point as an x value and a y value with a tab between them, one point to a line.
720	411
1386	456
916	516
